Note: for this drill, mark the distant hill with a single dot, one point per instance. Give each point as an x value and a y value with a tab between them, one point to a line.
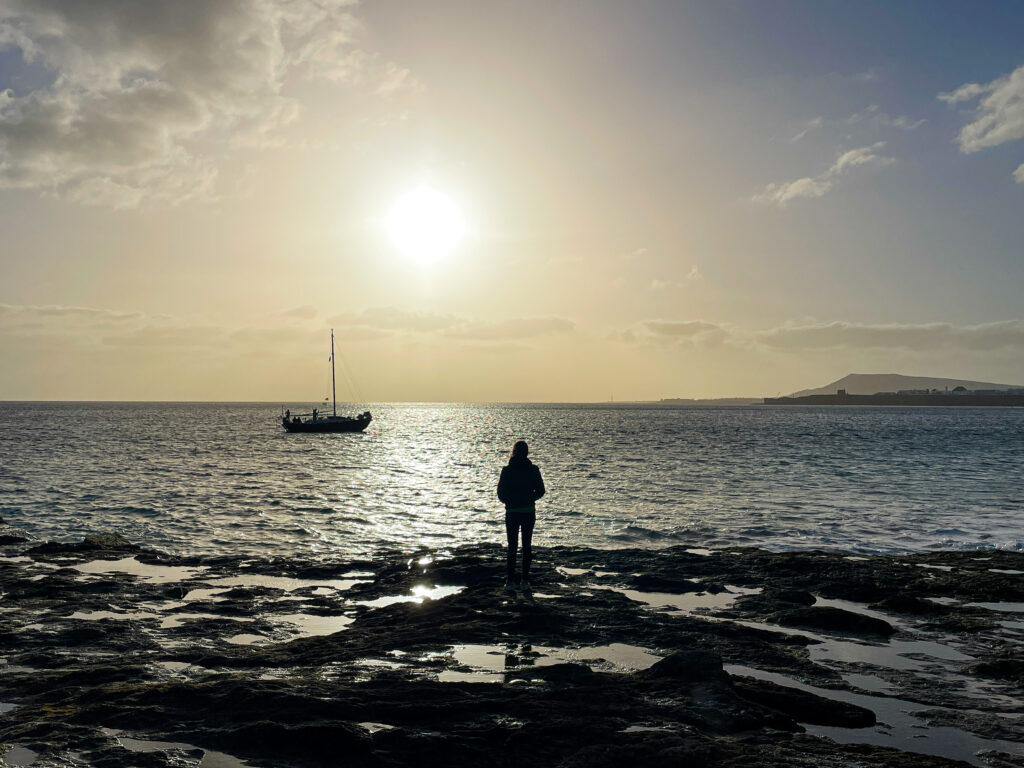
870	383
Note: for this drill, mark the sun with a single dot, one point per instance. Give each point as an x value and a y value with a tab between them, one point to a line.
425	225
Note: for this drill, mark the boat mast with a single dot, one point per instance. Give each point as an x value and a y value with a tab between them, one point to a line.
334	397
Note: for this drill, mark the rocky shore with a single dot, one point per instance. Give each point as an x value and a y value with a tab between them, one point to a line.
115	655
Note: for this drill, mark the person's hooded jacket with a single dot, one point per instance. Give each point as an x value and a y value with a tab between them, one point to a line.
520	484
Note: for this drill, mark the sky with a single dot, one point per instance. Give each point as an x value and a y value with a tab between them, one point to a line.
640	200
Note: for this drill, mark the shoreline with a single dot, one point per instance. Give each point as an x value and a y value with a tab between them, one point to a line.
415	658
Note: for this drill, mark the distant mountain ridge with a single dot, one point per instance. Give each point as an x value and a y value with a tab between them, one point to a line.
870	383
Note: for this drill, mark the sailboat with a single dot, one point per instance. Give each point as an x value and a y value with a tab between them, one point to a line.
317	422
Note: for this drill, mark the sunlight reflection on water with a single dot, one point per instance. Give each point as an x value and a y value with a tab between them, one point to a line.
220	477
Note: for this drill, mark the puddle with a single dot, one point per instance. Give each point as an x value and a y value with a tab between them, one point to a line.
101	615
374	727
1006	570
490	662
647	729
571	571
416	595
246	639
868	682
210	759
172	622
894	654
688	602
210	595
946	568
859	608
312	626
699	551
1001	607
155	574
6	707
896	727
285	583
17	756
166	622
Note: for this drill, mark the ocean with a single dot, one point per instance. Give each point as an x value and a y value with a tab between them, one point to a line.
225	478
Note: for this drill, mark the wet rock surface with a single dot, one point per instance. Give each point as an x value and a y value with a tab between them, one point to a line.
115	655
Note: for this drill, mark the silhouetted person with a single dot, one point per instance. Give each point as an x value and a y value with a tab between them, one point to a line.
519	488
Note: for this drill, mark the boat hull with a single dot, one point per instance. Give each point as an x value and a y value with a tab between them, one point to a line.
328	425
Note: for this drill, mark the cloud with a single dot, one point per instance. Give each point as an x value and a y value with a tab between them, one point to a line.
782	193
452	326
305	312
1018	175
999	116
142	96
393	319
679	328
811	125
520	328
1008	334
691	277
877	118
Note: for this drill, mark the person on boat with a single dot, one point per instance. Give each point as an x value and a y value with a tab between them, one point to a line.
519	487
314	414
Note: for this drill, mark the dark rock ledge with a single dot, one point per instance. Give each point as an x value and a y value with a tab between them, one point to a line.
389	690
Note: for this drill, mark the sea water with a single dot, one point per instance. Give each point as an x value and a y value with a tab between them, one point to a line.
226	478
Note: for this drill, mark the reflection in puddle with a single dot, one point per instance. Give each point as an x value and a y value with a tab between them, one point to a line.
897	727
286	583
246	639
155	574
417	595
1002	607
571	571
310	626
894	654
374	727
209	760
490	662
101	615
859	608
688	602
868	682
172	622
17	756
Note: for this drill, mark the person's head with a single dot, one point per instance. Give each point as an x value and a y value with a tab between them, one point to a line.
520	450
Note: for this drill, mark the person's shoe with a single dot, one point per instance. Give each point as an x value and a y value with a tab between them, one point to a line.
510	586
524	585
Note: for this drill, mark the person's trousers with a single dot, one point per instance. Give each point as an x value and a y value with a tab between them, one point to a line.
517	520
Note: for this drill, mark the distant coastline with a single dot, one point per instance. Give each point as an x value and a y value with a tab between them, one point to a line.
889	398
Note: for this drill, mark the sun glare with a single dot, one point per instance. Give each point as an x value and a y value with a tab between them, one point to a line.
425	225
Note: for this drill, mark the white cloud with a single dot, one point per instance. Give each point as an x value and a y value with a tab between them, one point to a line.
875	117
811	125
782	193
144	94
1018	175
999	116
